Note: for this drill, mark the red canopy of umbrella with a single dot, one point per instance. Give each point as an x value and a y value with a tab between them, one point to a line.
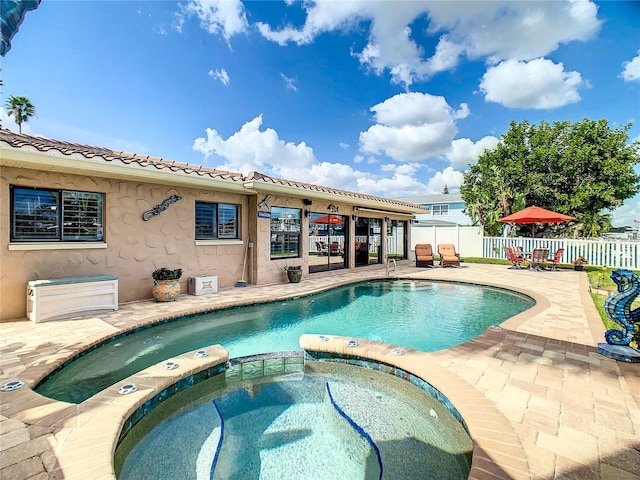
331	219
535	214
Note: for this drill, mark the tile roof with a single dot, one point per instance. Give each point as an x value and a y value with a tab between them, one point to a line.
46	145
257	176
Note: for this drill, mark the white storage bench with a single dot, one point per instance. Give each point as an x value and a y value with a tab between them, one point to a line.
58	298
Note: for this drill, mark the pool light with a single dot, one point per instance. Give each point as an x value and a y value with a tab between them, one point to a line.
10	386
127	389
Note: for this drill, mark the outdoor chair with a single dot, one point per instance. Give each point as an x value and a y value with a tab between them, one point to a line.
555	260
322	248
539	256
515	256
334	249
424	255
448	255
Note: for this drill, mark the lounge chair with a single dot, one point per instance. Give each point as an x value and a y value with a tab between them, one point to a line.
448	255
515	257
539	256
555	260
424	255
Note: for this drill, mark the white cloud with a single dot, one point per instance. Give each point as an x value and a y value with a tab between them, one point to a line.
631	71
178	22
219	17
627	213
395	187
289	82
464	152
539	84
322	16
449	176
262	150
221	75
517	30
491	30
252	149
343	145
412	126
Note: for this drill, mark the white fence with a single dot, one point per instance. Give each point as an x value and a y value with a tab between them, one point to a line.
467	240
610	253
470	242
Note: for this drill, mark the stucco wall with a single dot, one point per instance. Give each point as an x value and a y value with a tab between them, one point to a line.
134	248
272	271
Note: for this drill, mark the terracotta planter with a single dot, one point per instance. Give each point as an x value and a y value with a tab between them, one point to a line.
166	290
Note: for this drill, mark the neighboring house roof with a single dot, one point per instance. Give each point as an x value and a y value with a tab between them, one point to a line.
432	222
435	199
25	151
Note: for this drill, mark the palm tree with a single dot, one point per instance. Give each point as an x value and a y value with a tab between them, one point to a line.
21	108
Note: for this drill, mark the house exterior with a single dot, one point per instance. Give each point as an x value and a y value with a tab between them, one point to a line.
445	209
69	210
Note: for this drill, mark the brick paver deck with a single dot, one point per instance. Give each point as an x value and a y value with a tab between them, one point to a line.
574	414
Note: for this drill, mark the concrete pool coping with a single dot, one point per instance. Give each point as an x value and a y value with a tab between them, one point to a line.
574	413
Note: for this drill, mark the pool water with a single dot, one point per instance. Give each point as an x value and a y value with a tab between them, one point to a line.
284	428
423	315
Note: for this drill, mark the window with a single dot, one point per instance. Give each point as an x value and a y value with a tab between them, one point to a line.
44	215
285	232
440	210
216	221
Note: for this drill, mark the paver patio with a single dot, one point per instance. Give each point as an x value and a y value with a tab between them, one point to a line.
575	414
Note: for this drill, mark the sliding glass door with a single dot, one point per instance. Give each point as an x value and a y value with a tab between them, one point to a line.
327	236
368	240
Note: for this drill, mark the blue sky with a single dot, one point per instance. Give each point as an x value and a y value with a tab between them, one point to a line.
387	98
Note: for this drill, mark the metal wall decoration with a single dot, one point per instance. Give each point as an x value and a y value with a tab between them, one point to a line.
146	216
264	203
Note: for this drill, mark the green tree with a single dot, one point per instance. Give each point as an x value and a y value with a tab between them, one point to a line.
21	108
583	169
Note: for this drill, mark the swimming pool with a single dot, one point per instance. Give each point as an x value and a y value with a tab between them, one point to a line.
423	315
292	426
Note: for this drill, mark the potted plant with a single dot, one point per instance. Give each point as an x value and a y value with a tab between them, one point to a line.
166	285
579	263
294	273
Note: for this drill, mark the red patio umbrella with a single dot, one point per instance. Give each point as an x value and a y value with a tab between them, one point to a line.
535	215
330	219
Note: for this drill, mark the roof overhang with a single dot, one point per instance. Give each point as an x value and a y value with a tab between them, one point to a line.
362	202
77	164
